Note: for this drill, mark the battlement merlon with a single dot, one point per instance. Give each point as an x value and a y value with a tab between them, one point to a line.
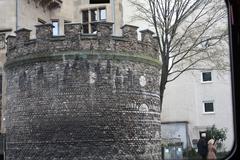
22	36
147	36
74	40
44	31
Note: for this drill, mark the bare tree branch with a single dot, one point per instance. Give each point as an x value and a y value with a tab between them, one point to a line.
185	69
188	35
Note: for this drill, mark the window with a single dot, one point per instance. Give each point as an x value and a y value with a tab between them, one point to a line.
85	16
102	14
208	107
93	27
56	27
85	21
206	76
96	14
93	15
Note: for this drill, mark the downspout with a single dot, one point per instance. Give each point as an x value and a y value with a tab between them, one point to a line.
17	14
113	14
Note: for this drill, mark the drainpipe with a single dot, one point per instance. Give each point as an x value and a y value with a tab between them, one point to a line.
113	14
17	14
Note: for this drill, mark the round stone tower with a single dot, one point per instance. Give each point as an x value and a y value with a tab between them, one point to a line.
82	96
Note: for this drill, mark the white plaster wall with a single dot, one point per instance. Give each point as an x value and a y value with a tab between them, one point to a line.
179	99
128	17
8	12
29	14
7	21
66	12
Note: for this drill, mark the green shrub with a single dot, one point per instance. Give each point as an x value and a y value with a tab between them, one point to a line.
216	134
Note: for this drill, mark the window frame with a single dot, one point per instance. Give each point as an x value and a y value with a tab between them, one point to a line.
58	26
87	22
202	81
99	14
87	11
204	110
90	21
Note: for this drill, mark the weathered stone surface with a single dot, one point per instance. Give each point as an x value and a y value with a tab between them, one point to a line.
11	42
22	35
147	36
72	29
82	104
130	32
44	31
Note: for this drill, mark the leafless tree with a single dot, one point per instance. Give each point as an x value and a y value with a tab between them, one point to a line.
191	35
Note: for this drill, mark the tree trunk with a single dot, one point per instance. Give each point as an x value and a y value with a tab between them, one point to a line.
164	76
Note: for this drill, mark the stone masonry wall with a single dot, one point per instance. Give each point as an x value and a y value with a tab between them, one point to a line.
82	97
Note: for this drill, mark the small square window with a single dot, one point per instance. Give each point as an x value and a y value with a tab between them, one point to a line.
206	76
208	107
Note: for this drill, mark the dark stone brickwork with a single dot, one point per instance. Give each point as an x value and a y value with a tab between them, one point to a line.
71	99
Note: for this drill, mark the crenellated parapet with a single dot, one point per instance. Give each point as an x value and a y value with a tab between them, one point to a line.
74	40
